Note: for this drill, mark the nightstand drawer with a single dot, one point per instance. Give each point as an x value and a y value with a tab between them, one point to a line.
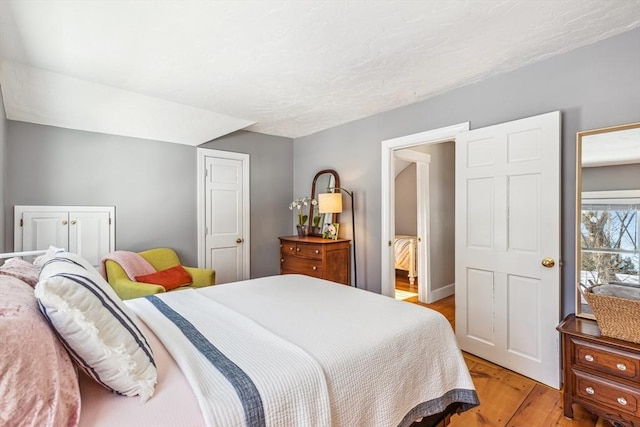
611	394
607	360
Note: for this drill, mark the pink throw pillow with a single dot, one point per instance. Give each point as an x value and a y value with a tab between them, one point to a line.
39	383
21	269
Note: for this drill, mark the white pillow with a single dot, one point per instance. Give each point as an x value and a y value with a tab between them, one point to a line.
95	326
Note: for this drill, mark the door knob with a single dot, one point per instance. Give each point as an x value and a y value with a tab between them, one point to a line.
238	240
548	262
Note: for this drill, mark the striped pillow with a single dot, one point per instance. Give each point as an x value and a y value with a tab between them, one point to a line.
95	326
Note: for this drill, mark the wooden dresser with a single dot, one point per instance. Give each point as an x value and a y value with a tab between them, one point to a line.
314	256
600	373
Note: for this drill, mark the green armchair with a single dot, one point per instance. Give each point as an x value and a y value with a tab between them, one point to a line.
160	259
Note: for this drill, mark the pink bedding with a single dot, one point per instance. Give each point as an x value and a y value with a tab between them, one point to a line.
172	405
38	382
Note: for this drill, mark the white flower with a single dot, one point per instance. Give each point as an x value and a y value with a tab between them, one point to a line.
302	201
298	204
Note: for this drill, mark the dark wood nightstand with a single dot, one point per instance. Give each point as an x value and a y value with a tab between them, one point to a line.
600	373
314	256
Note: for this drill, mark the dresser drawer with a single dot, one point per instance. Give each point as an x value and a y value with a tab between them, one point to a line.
292	264
607	360
302	250
603	392
287	248
317	257
309	250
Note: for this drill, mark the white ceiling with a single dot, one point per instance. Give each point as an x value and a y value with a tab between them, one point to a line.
191	71
621	147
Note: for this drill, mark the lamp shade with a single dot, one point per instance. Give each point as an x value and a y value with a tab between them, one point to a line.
330	203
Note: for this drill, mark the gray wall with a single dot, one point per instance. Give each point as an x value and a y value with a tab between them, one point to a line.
442	210
152	185
406	206
594	86
271	190
621	177
3	167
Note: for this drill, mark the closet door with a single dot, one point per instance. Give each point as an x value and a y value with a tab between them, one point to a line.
43	229
89	235
88	231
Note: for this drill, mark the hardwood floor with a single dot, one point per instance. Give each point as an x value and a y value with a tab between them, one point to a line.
507	399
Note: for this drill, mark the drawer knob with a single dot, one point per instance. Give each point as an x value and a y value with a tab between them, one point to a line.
622	401
298	249
290	248
621	366
588	358
317	251
590	390
315	268
281	259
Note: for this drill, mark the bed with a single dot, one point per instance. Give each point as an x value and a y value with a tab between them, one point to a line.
406	254
281	350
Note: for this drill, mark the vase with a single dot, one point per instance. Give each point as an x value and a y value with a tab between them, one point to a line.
317	230
302	230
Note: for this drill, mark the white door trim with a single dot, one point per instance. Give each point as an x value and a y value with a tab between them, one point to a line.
202	153
434	136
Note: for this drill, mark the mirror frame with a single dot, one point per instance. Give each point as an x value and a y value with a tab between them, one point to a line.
578	217
336	216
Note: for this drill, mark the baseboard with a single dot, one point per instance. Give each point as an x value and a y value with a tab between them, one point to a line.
442	292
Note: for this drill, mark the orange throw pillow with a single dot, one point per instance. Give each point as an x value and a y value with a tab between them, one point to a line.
171	278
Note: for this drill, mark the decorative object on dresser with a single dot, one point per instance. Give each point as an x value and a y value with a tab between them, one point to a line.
600	373
300	204
317	257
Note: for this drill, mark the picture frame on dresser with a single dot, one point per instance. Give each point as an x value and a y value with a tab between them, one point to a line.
330	231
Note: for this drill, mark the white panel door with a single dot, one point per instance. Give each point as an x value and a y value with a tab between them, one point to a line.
43	229
507	222
224	207
89	235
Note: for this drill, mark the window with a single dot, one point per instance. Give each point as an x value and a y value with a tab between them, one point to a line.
609	234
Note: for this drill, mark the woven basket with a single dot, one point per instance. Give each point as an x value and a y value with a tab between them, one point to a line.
617	317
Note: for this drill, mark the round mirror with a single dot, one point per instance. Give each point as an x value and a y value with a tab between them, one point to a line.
323	182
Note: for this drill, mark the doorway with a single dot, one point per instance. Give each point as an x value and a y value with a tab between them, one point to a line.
403	146
412	216
425	211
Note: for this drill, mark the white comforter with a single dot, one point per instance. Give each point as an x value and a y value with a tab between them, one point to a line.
360	358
